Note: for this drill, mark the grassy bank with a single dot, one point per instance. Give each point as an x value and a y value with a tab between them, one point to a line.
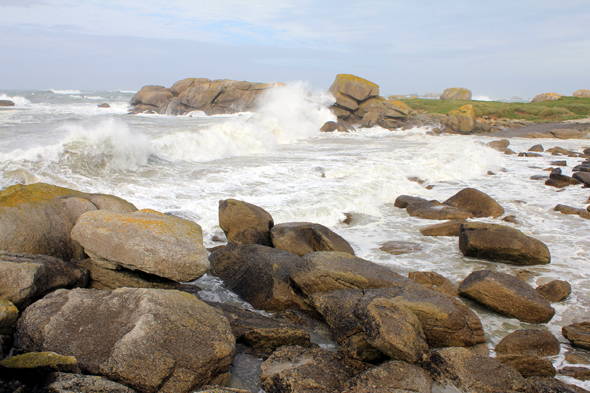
566	108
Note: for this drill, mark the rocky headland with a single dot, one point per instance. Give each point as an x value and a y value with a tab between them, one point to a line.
94	297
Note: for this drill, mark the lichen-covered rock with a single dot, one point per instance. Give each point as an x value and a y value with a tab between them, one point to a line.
326	271
146	240
582	93
476	202
245	222
301	238
391	377
507	295
31	367
8	316
38	218
501	243
578	334
299	370
352	86
149	339
25	277
555	291
547	97
460	120
456	93
533	342
259	275
471	373
69	383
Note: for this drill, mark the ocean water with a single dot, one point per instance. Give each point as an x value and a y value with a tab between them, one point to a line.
277	159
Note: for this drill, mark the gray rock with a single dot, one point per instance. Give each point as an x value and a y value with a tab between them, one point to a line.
146	240
304	237
25	277
149	339
507	295
501	243
394	247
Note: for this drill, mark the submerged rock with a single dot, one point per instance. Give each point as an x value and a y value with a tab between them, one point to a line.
501	243
507	295
149	339
434	210
397	247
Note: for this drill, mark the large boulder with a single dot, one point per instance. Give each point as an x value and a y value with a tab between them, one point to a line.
533	342
436	282
200	94
325	271
476	202
582	93
547	97
38	218
149	339
244	222
501	243
470	373
460	120
445	321
25	278
578	334
456	93
354	87
391	377
301	238
555	291
146	240
259	275
296	369
507	295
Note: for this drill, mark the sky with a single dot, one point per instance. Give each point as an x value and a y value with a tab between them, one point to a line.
499	48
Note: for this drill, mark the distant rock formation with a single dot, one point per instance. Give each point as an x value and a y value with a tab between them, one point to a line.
6	103
432	95
456	93
358	102
582	93
547	97
213	97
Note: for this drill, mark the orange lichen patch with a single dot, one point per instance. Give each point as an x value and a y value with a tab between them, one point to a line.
399	106
33	194
355	87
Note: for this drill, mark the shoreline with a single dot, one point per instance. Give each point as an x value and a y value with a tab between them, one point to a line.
542	128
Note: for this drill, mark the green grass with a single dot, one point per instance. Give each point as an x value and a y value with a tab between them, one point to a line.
565	108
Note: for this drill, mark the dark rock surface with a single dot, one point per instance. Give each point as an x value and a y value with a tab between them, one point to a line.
304	237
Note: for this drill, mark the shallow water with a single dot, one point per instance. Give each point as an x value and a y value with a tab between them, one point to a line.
277	159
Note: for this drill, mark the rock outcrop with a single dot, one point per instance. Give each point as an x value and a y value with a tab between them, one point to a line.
146	240
507	295
213	97
358	102
582	93
460	121
456	93
501	243
149	339
547	97
38	218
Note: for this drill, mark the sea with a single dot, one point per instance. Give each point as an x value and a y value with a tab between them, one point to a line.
277	158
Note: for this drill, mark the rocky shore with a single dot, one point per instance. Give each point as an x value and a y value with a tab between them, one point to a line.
94	297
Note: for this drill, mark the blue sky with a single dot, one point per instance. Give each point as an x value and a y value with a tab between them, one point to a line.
500	48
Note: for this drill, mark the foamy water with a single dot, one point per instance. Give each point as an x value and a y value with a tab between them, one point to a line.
277	159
